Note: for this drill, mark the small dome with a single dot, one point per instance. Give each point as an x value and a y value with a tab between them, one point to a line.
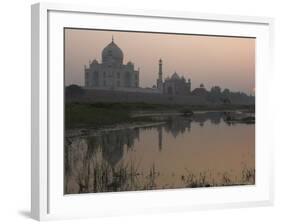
95	61
200	92
130	65
112	53
202	85
175	76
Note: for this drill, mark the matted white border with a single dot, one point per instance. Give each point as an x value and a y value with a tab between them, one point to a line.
48	200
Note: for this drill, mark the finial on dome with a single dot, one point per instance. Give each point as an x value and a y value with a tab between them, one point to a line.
112	38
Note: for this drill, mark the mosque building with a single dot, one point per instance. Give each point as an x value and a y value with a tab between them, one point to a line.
177	85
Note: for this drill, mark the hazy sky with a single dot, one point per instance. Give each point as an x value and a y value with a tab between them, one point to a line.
225	61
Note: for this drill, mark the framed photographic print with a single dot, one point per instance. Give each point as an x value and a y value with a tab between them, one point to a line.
138	111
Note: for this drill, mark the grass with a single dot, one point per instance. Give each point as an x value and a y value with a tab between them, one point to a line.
99	176
209	179
81	115
101	114
104	114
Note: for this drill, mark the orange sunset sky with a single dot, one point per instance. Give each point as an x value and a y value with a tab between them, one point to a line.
225	61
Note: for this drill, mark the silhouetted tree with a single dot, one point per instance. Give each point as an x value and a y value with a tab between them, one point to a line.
74	91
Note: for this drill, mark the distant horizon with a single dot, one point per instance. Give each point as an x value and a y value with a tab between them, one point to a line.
227	62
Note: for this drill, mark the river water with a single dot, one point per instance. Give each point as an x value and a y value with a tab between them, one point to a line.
200	151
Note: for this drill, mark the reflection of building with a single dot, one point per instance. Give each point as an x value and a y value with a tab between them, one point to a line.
177	125
113	144
111	73
160	137
213	117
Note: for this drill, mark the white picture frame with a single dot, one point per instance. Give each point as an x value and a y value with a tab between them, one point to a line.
47	199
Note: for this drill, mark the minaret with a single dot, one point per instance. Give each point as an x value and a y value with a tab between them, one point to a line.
189	86
160	69
160	78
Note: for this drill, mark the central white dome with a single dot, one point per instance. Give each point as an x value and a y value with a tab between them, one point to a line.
112	54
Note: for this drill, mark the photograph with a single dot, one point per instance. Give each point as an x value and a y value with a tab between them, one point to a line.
149	110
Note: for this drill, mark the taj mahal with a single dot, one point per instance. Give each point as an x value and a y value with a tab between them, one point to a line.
113	74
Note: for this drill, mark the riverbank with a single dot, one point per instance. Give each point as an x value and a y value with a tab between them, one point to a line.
70	133
98	115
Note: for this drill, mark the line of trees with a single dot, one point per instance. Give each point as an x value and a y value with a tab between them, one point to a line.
216	95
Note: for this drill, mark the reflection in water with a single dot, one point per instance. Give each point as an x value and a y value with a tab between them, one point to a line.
182	152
